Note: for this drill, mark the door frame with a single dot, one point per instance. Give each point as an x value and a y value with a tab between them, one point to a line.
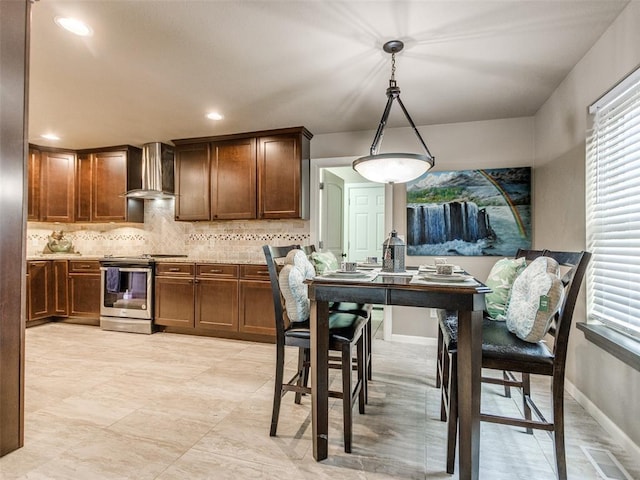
314	214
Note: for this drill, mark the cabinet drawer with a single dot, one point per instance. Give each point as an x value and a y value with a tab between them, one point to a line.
177	269
254	272
86	266
217	270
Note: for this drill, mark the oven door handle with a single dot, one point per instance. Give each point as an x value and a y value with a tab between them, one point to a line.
128	269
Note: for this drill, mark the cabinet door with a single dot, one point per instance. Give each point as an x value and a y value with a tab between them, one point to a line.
279	167
84	288
57	171
109	185
84	187
33	190
256	308
39	298
233	179
60	290
174	298
192	182
217	304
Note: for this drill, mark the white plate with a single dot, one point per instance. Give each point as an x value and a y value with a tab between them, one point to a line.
349	272
340	274
456	277
432	268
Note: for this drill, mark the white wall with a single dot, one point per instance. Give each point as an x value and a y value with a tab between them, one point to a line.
460	146
609	389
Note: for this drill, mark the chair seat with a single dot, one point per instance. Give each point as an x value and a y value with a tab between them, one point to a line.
499	346
343	328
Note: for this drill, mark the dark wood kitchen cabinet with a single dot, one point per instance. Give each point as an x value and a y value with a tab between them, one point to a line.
233	179
33	185
102	178
57	186
283	176
39	290
256	175
174	294
216	306
84	288
223	300
47	291
192	181
256	315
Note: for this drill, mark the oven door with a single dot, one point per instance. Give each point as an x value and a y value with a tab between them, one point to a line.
126	292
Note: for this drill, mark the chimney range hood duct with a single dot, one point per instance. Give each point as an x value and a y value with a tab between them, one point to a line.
157	174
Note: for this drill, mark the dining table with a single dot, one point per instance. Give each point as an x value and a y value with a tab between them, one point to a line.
409	289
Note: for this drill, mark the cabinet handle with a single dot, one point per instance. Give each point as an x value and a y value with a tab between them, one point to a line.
84	266
174	269
262	272
213	270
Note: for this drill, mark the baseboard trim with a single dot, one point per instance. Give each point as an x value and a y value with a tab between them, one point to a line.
610	427
414	339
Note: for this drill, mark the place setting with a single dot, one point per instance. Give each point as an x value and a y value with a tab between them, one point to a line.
443	273
351	271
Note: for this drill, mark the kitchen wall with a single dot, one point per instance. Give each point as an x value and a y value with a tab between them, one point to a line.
608	388
236	241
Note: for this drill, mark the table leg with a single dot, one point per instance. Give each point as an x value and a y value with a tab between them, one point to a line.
319	325
469	385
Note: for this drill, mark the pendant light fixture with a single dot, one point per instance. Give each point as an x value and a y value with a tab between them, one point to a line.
393	167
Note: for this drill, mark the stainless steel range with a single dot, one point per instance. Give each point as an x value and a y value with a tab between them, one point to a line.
126	293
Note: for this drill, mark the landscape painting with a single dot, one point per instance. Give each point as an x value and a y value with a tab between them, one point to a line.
469	212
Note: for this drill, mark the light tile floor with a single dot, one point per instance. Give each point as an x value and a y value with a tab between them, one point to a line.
111	405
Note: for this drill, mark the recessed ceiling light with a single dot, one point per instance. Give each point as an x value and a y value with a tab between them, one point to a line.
214	116
50	136
74	25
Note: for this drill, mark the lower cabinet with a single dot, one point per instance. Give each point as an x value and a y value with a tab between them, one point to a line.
39	290
226	300
256	301
61	288
84	288
174	294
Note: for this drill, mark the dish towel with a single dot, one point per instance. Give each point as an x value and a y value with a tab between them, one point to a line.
113	280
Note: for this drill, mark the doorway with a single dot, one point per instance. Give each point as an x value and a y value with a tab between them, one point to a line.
351	217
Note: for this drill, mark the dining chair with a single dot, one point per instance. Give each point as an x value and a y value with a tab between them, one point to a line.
448	325
502	350
363	310
345	335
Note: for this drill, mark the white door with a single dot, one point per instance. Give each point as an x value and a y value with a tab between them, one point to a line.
332	206
366	221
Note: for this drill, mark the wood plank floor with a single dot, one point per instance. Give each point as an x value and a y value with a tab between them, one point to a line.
111	405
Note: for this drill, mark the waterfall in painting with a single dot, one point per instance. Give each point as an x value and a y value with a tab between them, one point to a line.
440	223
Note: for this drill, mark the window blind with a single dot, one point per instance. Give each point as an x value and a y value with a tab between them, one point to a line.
613	209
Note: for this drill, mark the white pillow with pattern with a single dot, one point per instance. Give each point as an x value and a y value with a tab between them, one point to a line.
295	271
536	297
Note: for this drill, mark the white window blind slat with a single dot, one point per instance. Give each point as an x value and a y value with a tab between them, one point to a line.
613	208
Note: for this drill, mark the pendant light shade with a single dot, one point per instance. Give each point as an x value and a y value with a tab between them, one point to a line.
393	167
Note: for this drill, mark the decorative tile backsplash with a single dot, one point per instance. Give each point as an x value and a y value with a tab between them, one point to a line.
233	241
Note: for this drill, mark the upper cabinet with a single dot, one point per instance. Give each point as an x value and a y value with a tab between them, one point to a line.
56	186
192	167
101	181
83	186
262	175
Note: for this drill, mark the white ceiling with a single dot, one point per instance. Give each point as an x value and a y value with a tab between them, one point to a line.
153	69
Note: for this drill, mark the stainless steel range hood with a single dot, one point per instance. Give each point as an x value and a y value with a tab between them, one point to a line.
157	172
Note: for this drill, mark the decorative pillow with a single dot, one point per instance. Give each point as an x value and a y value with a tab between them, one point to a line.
324	262
536	297
295	271
500	280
